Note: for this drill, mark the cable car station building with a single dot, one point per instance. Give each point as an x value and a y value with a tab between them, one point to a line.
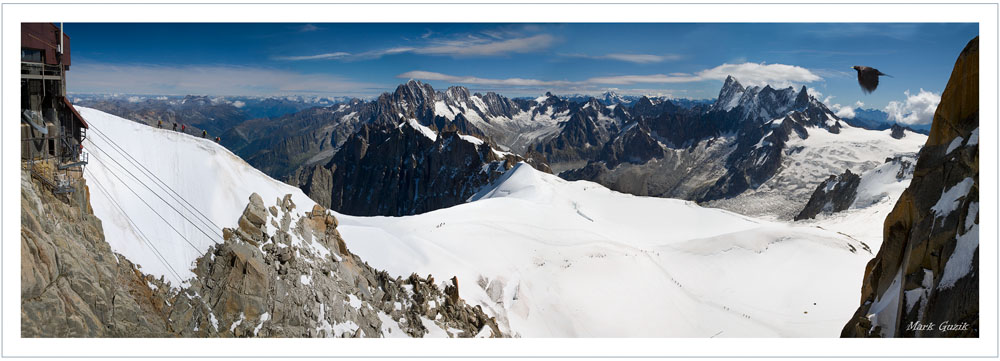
52	131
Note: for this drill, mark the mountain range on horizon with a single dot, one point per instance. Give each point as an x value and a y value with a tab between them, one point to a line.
625	145
444	212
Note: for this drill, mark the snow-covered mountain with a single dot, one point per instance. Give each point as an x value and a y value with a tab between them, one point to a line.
805	160
734	153
757	150
544	256
850	191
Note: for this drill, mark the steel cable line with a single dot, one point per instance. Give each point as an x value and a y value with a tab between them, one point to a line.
158	181
142	235
150	207
210	237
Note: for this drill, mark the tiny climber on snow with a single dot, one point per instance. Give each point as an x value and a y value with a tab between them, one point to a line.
217	139
203	133
175	126
159	124
183	127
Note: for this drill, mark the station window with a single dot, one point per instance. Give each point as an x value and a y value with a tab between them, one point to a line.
31	55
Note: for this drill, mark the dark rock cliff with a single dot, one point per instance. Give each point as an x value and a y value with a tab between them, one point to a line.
399	170
924	281
832	195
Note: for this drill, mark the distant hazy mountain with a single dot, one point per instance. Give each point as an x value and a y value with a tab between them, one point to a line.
875	119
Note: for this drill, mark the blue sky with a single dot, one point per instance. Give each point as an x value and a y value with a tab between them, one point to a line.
678	60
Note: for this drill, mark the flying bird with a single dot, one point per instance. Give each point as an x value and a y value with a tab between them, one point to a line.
868	77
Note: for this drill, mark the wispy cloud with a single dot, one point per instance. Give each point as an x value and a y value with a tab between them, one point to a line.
308	28
482	47
631	58
832	73
209	80
853	30
468	46
326	56
520	82
777	75
917	109
829	53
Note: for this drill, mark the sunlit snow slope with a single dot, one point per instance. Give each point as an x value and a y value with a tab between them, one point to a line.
545	256
212	188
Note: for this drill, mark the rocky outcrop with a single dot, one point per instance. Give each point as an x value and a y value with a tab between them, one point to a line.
897	131
300	280
835	194
72	284
924	281
279	273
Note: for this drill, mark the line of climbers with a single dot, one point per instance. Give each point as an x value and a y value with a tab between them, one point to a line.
204	133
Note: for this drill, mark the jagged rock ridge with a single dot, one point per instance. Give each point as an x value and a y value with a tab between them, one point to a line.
405	169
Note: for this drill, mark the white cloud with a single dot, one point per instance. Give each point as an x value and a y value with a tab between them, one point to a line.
464	47
480	47
427	75
631	58
308	27
778	75
753	74
859	104
239	104
208	80
815	93
916	109
840	110
844	112
326	56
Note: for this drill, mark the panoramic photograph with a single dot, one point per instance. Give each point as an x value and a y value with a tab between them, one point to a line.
499	180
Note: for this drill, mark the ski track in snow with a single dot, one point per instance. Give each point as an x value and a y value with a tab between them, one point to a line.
574	259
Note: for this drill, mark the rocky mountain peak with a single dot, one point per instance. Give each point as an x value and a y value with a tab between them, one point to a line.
802	100
458	93
414	91
730	94
732	83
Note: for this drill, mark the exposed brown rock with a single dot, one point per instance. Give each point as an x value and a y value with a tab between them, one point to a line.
927	270
72	284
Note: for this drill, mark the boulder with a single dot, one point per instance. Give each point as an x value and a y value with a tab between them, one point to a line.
255	211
